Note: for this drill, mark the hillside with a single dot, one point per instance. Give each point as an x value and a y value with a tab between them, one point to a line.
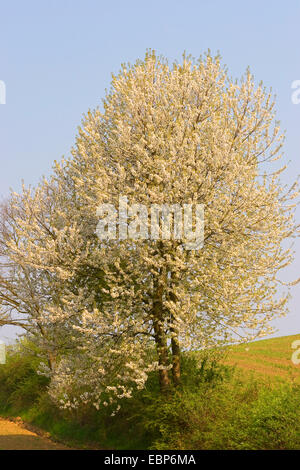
252	406
271	358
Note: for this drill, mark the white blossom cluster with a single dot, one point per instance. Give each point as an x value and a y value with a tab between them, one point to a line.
106	314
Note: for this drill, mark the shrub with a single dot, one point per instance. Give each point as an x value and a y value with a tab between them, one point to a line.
214	408
20	385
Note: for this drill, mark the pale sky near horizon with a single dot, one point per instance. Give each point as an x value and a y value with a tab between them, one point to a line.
57	56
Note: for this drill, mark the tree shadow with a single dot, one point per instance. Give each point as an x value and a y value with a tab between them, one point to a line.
27	442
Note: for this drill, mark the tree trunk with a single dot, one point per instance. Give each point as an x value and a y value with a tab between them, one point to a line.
160	338
176	369
175	358
51	361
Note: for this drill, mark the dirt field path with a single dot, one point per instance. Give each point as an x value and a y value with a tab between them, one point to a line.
14	437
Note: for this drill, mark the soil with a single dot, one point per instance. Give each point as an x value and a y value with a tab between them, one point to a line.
14	436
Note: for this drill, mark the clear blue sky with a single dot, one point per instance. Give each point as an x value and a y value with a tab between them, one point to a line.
56	58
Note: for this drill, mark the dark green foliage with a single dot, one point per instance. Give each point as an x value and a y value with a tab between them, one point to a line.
20	385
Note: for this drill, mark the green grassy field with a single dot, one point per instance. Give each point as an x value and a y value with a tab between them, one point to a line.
271	358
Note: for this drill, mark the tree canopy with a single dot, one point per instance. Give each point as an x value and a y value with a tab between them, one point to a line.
107	312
